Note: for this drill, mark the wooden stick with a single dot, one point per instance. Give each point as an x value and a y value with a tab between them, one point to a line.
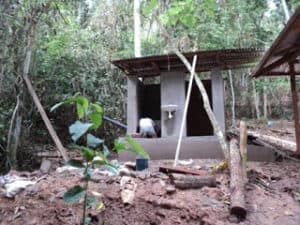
187	101
167	169
237	184
206	104
46	120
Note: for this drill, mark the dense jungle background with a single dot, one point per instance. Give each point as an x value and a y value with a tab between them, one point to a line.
73	43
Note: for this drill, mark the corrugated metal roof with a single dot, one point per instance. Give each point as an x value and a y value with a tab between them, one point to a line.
207	60
285	49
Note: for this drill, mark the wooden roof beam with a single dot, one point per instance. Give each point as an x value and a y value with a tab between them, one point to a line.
285	58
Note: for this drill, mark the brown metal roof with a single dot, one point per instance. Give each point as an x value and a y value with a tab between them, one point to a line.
155	65
285	49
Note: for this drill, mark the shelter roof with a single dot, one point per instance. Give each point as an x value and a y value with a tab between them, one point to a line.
285	49
207	60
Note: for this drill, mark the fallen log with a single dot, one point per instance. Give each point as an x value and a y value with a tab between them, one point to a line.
192	182
237	183
275	141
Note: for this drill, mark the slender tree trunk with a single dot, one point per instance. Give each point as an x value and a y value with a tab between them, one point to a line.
233	98
256	100
265	103
14	134
137	28
286	10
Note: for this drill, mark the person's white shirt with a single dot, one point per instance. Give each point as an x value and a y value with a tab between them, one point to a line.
147	127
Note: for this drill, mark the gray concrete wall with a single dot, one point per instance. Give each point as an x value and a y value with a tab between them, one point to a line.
172	93
217	85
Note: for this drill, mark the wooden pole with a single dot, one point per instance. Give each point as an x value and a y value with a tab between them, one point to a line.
187	101
46	120
206	104
295	105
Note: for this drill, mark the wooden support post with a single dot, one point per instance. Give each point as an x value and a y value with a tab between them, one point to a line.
46	120
217	85
295	105
237	184
132	104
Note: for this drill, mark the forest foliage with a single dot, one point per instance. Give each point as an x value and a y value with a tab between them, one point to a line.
75	41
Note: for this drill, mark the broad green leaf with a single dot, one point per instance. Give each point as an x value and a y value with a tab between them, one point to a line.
97	108
78	129
82	105
136	147
88	153
96	119
119	146
74	194
93	141
150	6
75	163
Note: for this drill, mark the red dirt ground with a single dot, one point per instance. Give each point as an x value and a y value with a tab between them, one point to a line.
272	197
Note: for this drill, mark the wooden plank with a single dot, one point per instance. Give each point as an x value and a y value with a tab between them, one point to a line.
183	170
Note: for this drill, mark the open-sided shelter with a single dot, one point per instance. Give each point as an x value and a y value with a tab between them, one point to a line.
283	59
164	100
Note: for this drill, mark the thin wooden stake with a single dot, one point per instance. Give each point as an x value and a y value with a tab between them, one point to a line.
46	120
187	101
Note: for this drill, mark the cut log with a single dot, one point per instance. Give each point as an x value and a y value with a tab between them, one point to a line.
177	169
193	182
237	183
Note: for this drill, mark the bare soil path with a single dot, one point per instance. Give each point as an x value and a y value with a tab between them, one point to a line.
272	197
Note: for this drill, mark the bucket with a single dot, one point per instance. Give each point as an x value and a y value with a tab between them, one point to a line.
141	164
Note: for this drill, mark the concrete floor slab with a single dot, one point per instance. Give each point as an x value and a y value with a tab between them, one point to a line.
204	147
